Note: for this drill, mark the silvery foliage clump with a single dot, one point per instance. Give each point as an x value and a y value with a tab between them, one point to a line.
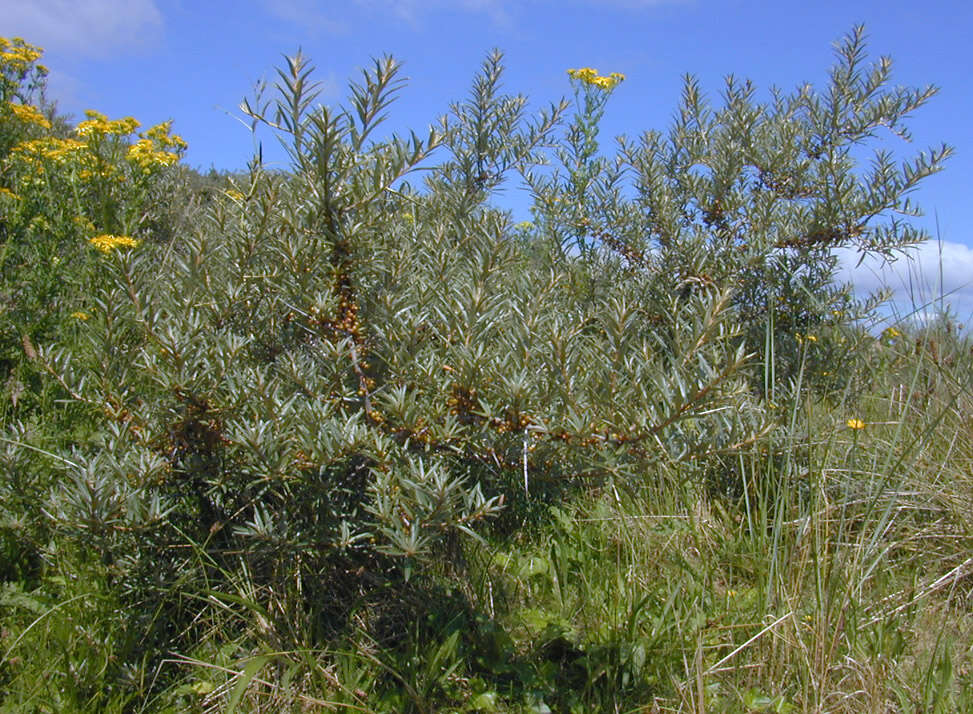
340	370
754	197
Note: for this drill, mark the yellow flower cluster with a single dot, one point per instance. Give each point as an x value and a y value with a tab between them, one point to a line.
161	136
145	156
48	148
98	124
29	114
855	424
99	167
18	55
890	333
156	147
80	315
106	243
590	76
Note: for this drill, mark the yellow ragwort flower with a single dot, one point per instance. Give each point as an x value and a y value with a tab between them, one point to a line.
585	74
144	155
95	123
48	147
17	54
161	136
855	424
590	76
29	114
123	127
98	124
80	315
106	243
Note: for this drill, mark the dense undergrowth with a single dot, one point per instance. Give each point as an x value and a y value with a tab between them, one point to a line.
326	439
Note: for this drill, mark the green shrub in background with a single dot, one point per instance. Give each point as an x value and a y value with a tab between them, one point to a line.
311	402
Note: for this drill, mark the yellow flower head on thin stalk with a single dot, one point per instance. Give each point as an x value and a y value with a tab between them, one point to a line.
590	76
80	315
106	243
856	424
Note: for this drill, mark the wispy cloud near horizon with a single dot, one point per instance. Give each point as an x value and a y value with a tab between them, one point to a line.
929	275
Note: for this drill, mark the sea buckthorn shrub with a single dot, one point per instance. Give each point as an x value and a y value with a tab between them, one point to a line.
338	376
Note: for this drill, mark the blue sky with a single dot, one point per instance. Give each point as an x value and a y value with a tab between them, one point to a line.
195	61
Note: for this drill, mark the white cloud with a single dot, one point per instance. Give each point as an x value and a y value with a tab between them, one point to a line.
92	27
932	271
